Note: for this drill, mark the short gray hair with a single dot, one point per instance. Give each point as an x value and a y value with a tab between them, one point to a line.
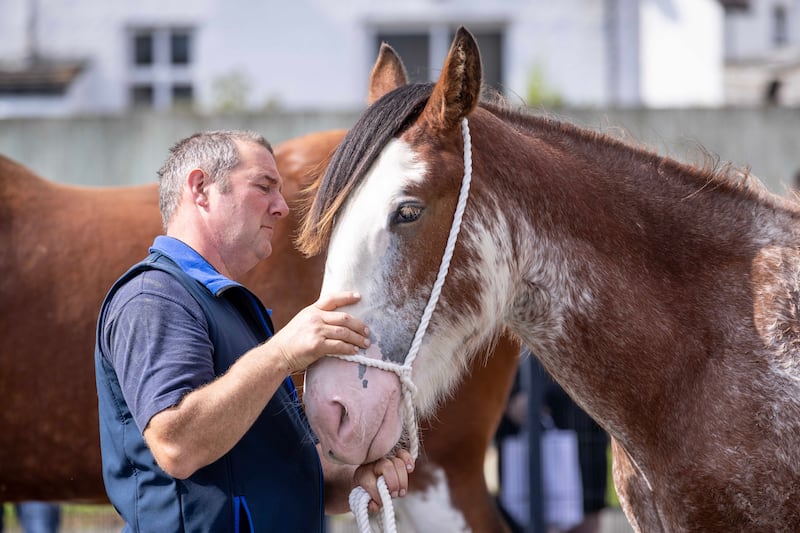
214	152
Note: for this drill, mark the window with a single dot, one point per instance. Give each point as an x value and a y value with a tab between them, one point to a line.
179	48
182	95
142	95
419	49
414	49
780	35
143	49
161	73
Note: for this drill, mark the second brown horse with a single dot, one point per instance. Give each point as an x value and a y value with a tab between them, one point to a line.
63	246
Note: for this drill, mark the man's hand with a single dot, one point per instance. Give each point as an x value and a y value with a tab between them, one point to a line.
320	330
395	472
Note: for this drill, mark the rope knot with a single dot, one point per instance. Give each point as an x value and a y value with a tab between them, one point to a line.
404	373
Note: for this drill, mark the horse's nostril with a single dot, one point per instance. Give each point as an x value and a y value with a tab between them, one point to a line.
343	418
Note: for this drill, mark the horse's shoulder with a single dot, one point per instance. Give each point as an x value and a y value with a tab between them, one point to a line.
776	301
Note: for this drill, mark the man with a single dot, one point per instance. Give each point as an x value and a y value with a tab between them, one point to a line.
35	516
200	425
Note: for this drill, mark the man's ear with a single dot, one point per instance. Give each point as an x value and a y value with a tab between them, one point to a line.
198	184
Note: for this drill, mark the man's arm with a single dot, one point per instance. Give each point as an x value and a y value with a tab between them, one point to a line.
210	420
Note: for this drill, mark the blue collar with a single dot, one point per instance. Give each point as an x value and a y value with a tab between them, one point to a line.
197	267
193	264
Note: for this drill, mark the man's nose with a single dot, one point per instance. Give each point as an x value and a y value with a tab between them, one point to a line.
281	208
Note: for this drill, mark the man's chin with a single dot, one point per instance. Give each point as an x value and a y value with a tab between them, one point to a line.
266	251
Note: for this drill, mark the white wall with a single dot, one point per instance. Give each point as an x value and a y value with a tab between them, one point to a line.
565	40
283	49
682	43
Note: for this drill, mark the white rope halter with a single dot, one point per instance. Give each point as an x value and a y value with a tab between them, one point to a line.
359	498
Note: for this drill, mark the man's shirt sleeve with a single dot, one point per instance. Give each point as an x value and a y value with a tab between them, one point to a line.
158	342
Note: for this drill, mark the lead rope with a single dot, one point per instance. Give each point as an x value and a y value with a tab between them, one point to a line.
359	498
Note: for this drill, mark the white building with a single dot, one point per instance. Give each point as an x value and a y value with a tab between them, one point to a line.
72	57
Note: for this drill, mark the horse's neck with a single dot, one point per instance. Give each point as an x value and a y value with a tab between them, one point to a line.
626	276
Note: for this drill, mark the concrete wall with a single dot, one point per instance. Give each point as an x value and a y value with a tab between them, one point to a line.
765	139
130	149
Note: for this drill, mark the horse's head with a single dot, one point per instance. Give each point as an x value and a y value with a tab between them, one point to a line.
385	208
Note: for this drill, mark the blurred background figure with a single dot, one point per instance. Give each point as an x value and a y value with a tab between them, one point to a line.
574	464
36	517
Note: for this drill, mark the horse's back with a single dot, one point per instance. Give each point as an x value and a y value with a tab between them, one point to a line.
63	246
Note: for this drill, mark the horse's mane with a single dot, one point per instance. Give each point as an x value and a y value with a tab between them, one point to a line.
713	173
397	110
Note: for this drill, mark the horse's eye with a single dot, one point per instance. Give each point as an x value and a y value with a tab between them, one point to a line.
407	213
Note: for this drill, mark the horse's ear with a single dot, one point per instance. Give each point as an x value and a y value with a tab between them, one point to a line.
459	87
388	74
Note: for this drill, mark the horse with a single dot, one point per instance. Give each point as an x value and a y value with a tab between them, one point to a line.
63	248
662	296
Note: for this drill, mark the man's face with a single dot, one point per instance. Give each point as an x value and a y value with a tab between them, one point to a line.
243	218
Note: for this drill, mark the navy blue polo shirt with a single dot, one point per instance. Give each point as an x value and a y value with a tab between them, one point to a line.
170	325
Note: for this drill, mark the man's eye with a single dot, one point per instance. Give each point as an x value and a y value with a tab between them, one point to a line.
406	214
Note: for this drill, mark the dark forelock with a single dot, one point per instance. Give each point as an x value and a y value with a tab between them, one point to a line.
383	120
